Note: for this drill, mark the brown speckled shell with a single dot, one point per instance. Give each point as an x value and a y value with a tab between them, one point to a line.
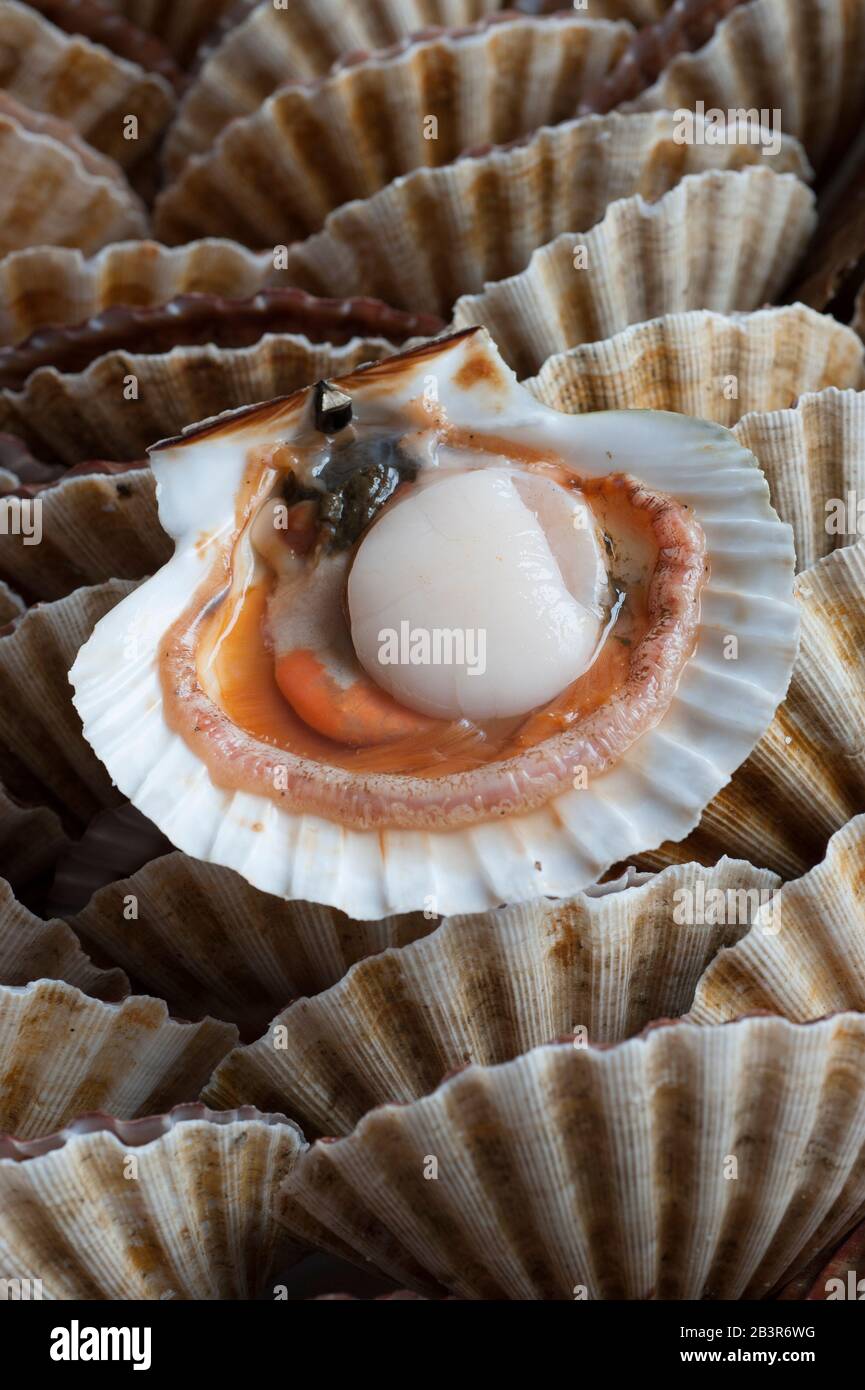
718	240
70	416
86	211
806	777
188	320
804	957
607	1173
301	41
83	83
94	524
63	1053
31	949
52	286
102	22
689	362
172	1206
272	176
484	989
207	942
802	59
435	234
813	456
44	758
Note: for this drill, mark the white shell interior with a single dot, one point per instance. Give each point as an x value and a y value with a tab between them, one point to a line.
726	698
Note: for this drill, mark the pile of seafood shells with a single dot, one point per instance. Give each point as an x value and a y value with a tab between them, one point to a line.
531	1033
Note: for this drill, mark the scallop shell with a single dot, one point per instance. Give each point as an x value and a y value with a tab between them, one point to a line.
43	757
11	604
806	777
804	956
556	850
48	195
813	454
801	58
274	46
834	264
64	1053
55	285
206	942
184	29
486	989
172	1206
214	320
91	525
69	416
435	234
532	1179
115	843
31	949
831	1279
103	24
82	83
636	11
718	240
31	838
814	459
273	176
715	366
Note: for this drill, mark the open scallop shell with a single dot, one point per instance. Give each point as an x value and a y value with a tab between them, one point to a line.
801	59
43	757
486	989
738	1154
295	43
715	366
64	1053
814	459
31	949
207	942
31	838
82	83
91	526
171	1206
681	763
273	176
435	234
804	956
718	240
71	416
47	194
806	777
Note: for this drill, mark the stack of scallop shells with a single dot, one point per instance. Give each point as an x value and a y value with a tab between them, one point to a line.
204	205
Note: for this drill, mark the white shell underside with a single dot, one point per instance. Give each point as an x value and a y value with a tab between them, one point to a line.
657	791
